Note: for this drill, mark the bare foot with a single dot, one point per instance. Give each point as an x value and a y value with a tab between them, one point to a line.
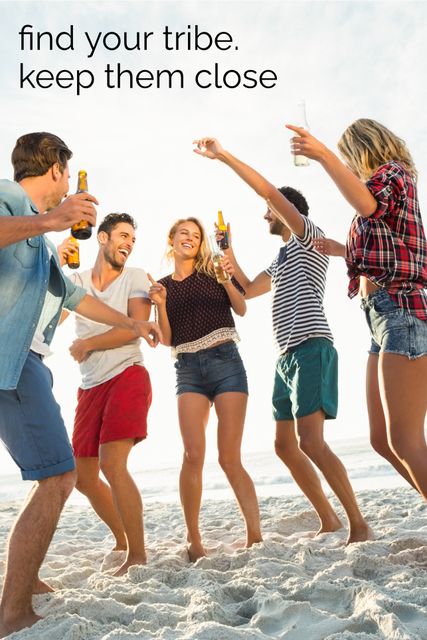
362	533
195	552
130	562
120	547
253	540
41	587
330	525
8	626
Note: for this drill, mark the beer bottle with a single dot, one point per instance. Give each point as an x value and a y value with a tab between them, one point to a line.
223	233
73	259
81	230
216	256
301	161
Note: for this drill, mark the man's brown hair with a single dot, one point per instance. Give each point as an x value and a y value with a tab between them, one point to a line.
35	153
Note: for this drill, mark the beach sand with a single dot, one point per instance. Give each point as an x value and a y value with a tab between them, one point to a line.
291	586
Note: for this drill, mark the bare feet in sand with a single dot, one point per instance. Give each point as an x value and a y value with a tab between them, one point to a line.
195	551
130	562
330	525
10	625
362	533
41	587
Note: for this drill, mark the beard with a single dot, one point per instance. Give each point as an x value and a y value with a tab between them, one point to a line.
109	257
276	228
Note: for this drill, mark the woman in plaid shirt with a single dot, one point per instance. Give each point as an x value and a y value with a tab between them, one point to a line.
386	255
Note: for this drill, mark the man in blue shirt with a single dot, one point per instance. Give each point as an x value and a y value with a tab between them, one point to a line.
33	291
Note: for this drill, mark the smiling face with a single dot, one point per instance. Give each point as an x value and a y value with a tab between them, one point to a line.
186	241
118	244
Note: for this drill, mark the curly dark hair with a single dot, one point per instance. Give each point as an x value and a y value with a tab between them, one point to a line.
297	199
111	221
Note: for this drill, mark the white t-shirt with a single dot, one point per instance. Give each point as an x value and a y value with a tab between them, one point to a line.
101	366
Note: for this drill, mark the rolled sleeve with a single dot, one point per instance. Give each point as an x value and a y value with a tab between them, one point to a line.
74	294
387	186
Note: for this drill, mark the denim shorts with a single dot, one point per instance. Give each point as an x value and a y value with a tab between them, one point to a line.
306	380
393	329
31	425
211	371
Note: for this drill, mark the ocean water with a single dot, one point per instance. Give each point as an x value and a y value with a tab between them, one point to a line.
366	469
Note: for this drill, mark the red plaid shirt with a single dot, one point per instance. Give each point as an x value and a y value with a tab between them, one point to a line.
390	246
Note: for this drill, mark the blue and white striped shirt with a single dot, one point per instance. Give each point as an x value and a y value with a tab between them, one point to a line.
298	278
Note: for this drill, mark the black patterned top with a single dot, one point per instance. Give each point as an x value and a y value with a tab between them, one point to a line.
199	312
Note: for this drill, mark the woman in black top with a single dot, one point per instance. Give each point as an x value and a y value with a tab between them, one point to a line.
194	312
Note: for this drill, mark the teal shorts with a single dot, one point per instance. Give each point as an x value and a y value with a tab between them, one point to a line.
306	380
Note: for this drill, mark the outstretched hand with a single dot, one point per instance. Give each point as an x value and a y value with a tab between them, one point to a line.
304	144
208	148
329	247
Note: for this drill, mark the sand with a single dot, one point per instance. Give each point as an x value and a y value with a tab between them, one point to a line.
291	586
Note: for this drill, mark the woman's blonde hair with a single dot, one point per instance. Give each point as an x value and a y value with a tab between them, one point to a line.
203	263
366	145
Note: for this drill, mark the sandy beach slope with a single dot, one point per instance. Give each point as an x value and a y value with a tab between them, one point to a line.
291	586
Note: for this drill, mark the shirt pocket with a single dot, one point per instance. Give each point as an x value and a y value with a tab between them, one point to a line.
27	252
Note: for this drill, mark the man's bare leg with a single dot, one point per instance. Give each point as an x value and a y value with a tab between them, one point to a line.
310	433
113	458
304	474
100	497
28	543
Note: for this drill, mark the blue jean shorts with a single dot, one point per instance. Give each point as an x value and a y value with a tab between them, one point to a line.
393	329
211	371
31	425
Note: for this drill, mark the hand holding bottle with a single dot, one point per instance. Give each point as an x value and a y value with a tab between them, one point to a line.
307	145
79	206
68	252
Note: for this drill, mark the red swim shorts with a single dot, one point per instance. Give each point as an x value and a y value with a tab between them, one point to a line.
114	410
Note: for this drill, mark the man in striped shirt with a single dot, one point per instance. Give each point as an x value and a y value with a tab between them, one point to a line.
305	387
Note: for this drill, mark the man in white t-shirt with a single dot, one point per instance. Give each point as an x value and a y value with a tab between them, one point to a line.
115	393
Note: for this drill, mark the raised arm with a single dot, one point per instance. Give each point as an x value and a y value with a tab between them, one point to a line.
285	210
14	228
258	286
138	309
352	188
237	301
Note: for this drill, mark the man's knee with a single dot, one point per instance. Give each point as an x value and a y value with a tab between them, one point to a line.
63	484
312	448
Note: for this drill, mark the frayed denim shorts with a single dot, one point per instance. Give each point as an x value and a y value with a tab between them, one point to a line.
211	371
393	329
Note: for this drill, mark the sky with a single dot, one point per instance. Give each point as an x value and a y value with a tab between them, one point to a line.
346	59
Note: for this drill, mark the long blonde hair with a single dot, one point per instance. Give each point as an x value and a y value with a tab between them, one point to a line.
203	263
366	145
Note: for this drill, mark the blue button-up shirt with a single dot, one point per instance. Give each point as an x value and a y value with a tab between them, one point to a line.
25	271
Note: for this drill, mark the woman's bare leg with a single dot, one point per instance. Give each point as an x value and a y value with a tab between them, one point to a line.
193	414
231	410
377	421
403	388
